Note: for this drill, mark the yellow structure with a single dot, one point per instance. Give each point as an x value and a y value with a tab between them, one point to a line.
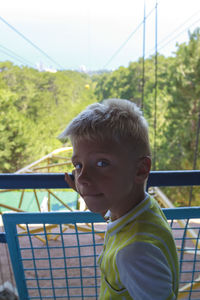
56	161
59	161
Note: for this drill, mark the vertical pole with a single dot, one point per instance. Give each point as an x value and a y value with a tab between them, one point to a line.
156	79
143	60
49	197
195	156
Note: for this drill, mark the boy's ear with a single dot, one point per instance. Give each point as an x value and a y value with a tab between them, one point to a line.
143	169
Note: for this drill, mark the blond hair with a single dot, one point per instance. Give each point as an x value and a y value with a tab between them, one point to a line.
117	119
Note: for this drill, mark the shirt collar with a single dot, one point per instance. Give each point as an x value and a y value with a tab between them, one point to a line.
115	226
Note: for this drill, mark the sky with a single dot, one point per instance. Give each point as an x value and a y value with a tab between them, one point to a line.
92	35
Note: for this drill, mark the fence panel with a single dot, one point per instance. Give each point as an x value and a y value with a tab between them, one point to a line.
54	255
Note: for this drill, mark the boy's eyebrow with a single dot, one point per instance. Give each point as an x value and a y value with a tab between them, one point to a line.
98	153
73	157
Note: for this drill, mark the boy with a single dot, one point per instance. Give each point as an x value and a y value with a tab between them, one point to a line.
111	157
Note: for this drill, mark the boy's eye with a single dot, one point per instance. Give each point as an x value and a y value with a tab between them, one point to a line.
77	166
102	163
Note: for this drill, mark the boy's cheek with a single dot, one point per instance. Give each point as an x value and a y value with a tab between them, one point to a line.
76	183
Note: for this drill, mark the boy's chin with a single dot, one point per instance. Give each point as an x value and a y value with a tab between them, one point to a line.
97	211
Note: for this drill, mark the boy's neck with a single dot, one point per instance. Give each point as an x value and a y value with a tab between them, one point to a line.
116	214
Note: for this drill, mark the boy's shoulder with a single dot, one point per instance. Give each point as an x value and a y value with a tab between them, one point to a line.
145	214
149	218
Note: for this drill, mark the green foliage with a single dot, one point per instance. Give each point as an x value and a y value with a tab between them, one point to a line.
124	83
184	108
13	151
171	106
36	106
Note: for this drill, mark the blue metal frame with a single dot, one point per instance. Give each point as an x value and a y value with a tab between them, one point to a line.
10	223
16	253
32	181
56	180
3	237
174	178
182	213
52	180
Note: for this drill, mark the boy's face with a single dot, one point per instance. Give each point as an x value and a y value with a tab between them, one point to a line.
105	176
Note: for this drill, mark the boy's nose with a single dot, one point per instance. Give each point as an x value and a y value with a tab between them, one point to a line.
84	177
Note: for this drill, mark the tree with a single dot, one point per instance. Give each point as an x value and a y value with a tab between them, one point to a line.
184	106
13	151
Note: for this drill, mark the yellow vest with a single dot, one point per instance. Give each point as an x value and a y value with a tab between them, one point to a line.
145	223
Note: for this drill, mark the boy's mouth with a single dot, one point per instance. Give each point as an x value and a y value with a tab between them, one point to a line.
91	195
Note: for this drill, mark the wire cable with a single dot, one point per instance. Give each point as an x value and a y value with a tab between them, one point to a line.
126	41
179	27
166	39
30	42
10	53
179	34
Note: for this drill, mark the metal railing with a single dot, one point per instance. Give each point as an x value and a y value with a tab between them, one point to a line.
56	180
54	256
